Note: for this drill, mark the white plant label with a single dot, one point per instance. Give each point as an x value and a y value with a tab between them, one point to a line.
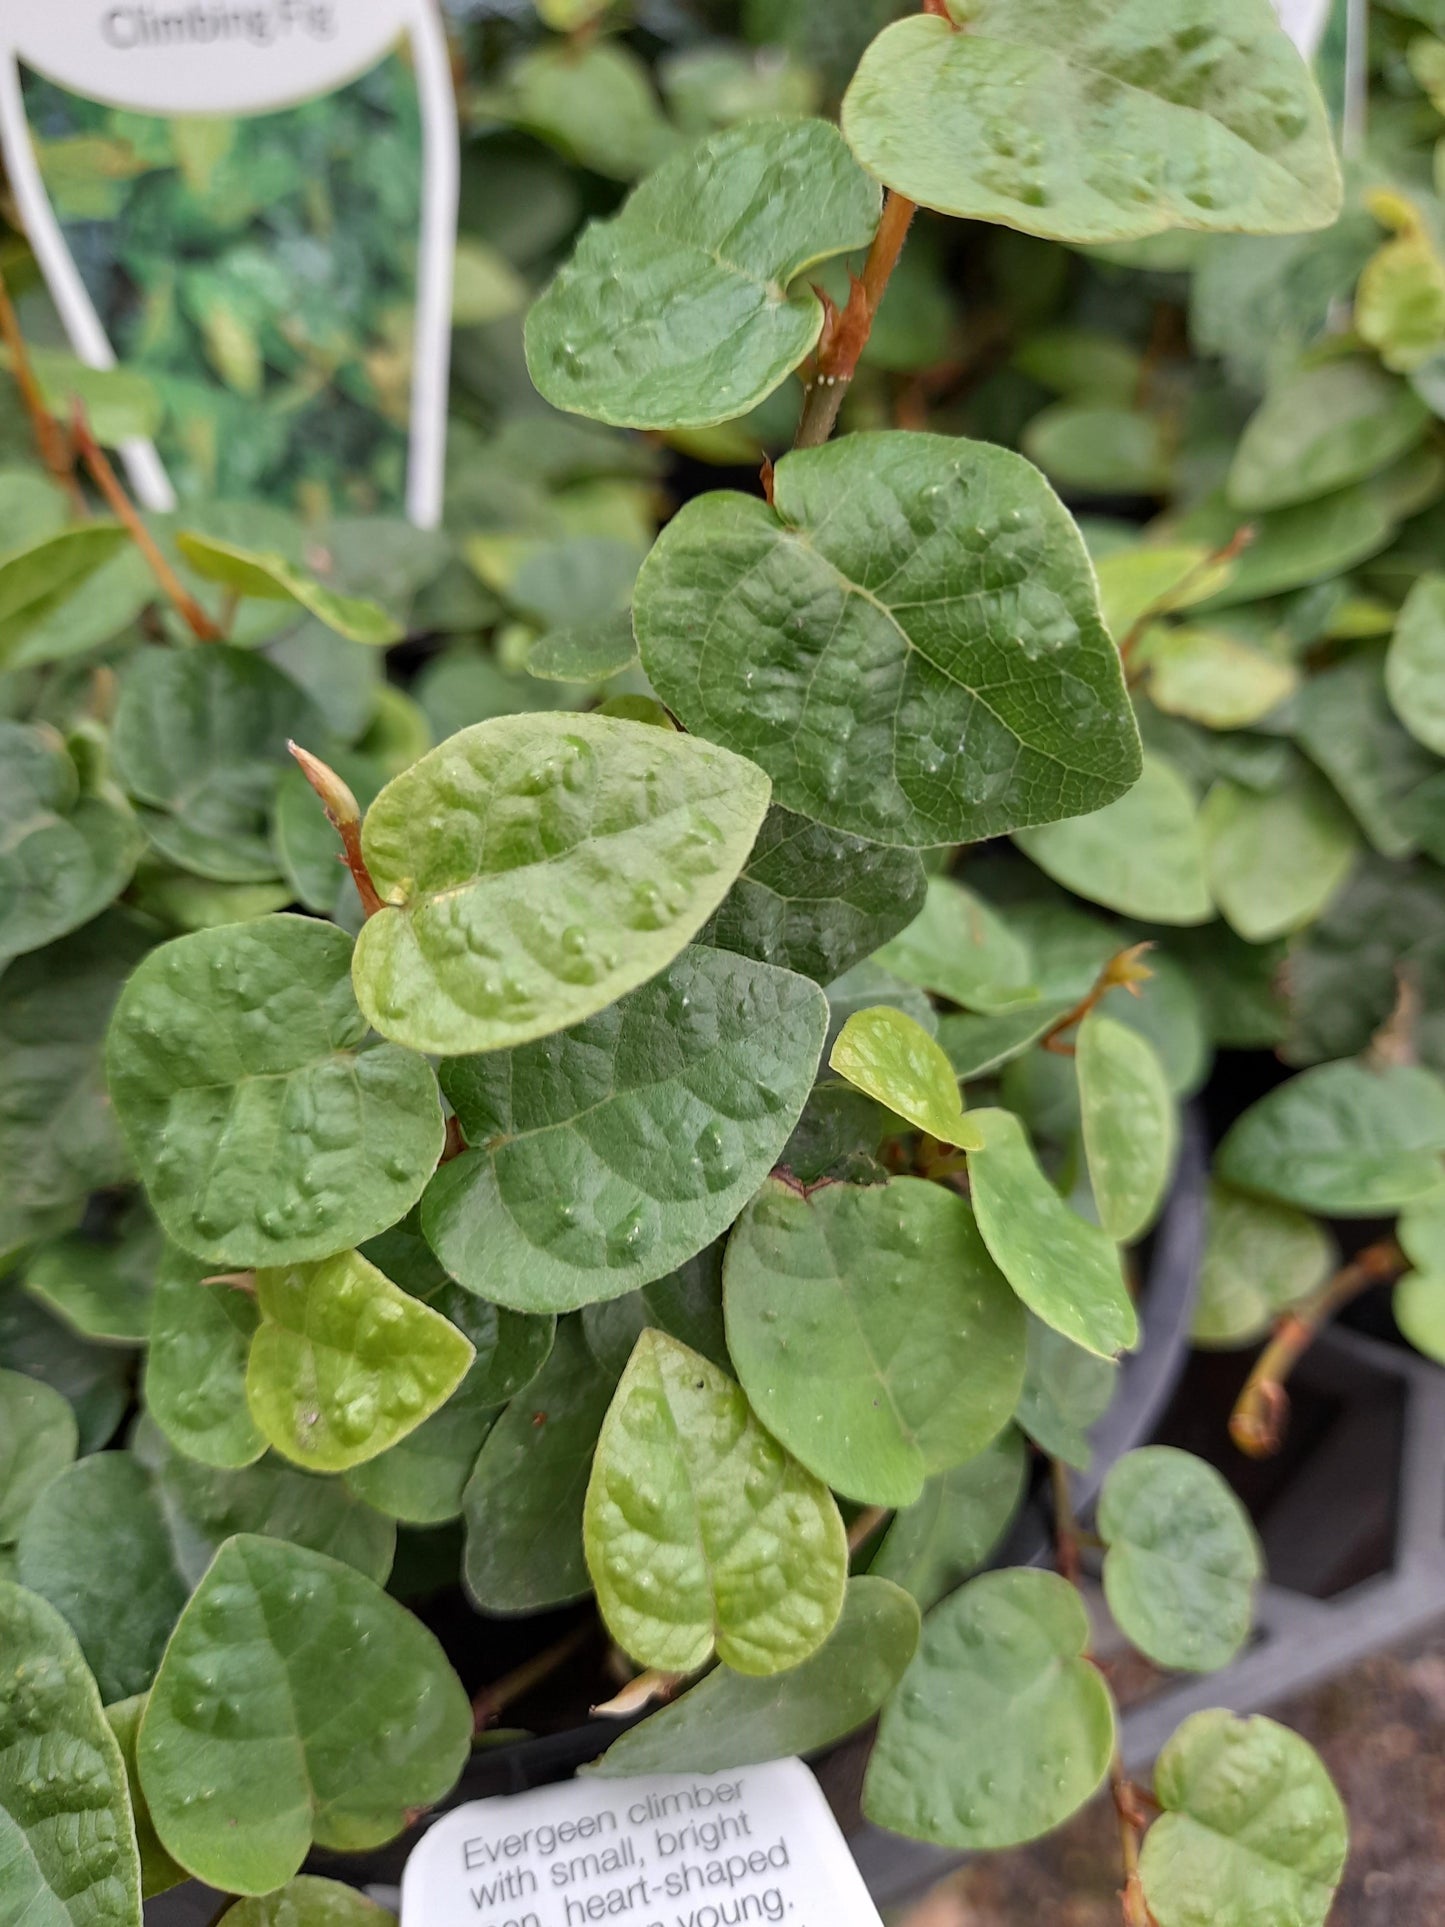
670	1850
1304	21
231	58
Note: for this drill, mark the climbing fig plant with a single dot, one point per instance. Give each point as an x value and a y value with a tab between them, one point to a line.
622	1056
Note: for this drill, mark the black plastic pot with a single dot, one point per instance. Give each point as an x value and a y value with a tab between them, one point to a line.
893	1867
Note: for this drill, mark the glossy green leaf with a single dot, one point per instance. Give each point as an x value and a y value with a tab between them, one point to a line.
102	1516
729	1719
101	1286
421	1479
63	855
587	652
69	1853
960	948
562	861
814	901
265	1129
1066	1271
1211	678
1260	1258
1415	663
1002	1727
1065	1390
907	640
940	1540
523	1503
295	1703
1143	855
1342	1139
1275	858
158	1872
873	1334
1095	122
38	575
95	1380
702	1534
1418	1302
344	1363
1321	427
1131	1132
886	1054
200	742
654	1121
309	1901
1252	1830
1182	1560
195	1369
38	1439
677	312
687	1304
254	572
1346	724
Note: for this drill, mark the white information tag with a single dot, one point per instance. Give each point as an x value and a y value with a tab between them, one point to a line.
1304	21
670	1850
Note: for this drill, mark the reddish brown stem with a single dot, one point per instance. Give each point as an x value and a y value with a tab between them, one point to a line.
1126	971
846	331
495	1698
124	510
55	448
1133	1818
865	1525
1066	1526
344	814
455	1142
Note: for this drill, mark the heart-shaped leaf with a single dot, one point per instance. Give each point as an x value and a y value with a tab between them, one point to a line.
1212	678
1342	1139
1066	1270
295	1704
676	313
102	1286
702	1534
960	948
1130	1129
1065	1390
1001	1728
1143	855
264	1128
69	1849
940	1540
908	640
344	1363
1415	663
1094	123
1319	428
38	1438
195	1369
1275	858
655	1121
536	868
884	1053
814	901
309	1901
158	1872
523	1503
1252	1829
63	855
873	1334
102	1515
1259	1259
730	1720
255	572
1182	1562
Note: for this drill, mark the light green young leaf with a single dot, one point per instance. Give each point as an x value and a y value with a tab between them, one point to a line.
1292	547
102	1516
1087	121
1252	1829
1276	857
940	1540
485	285
975	691
70	1853
702	1534
1211	677
63	855
1342	1139
344	1363
421	1479
1003	1663
265	1130
1152	579
1320	428
1142	855
873	1334
536	868
295	1704
1066	1271
654	1121
1065	1390
594	102
960	948
1182	1560
1415	663
37	577
101	1287
729	1719
1421	1231
1131	1131
195	1369
254	572
119	402
308	1901
886	1054
158	1872
1259	1259
677	312
38	1439
1418	1302
523	1503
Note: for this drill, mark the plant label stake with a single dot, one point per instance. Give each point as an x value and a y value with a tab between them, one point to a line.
197	65
755	1844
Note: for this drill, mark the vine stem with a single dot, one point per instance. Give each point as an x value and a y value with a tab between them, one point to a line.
56	451
646	1689
865	1525
1125	971
124	510
493	1699
1261	1412
1132	1822
343	812
846	331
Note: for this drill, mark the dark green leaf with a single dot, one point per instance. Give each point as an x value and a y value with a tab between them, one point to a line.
960	948
1346	724
38	1439
63	855
102	1286
1143	855
1322	427
687	1303
940	1540
195	1370
1275	860
158	1872
309	1901
1065	1390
